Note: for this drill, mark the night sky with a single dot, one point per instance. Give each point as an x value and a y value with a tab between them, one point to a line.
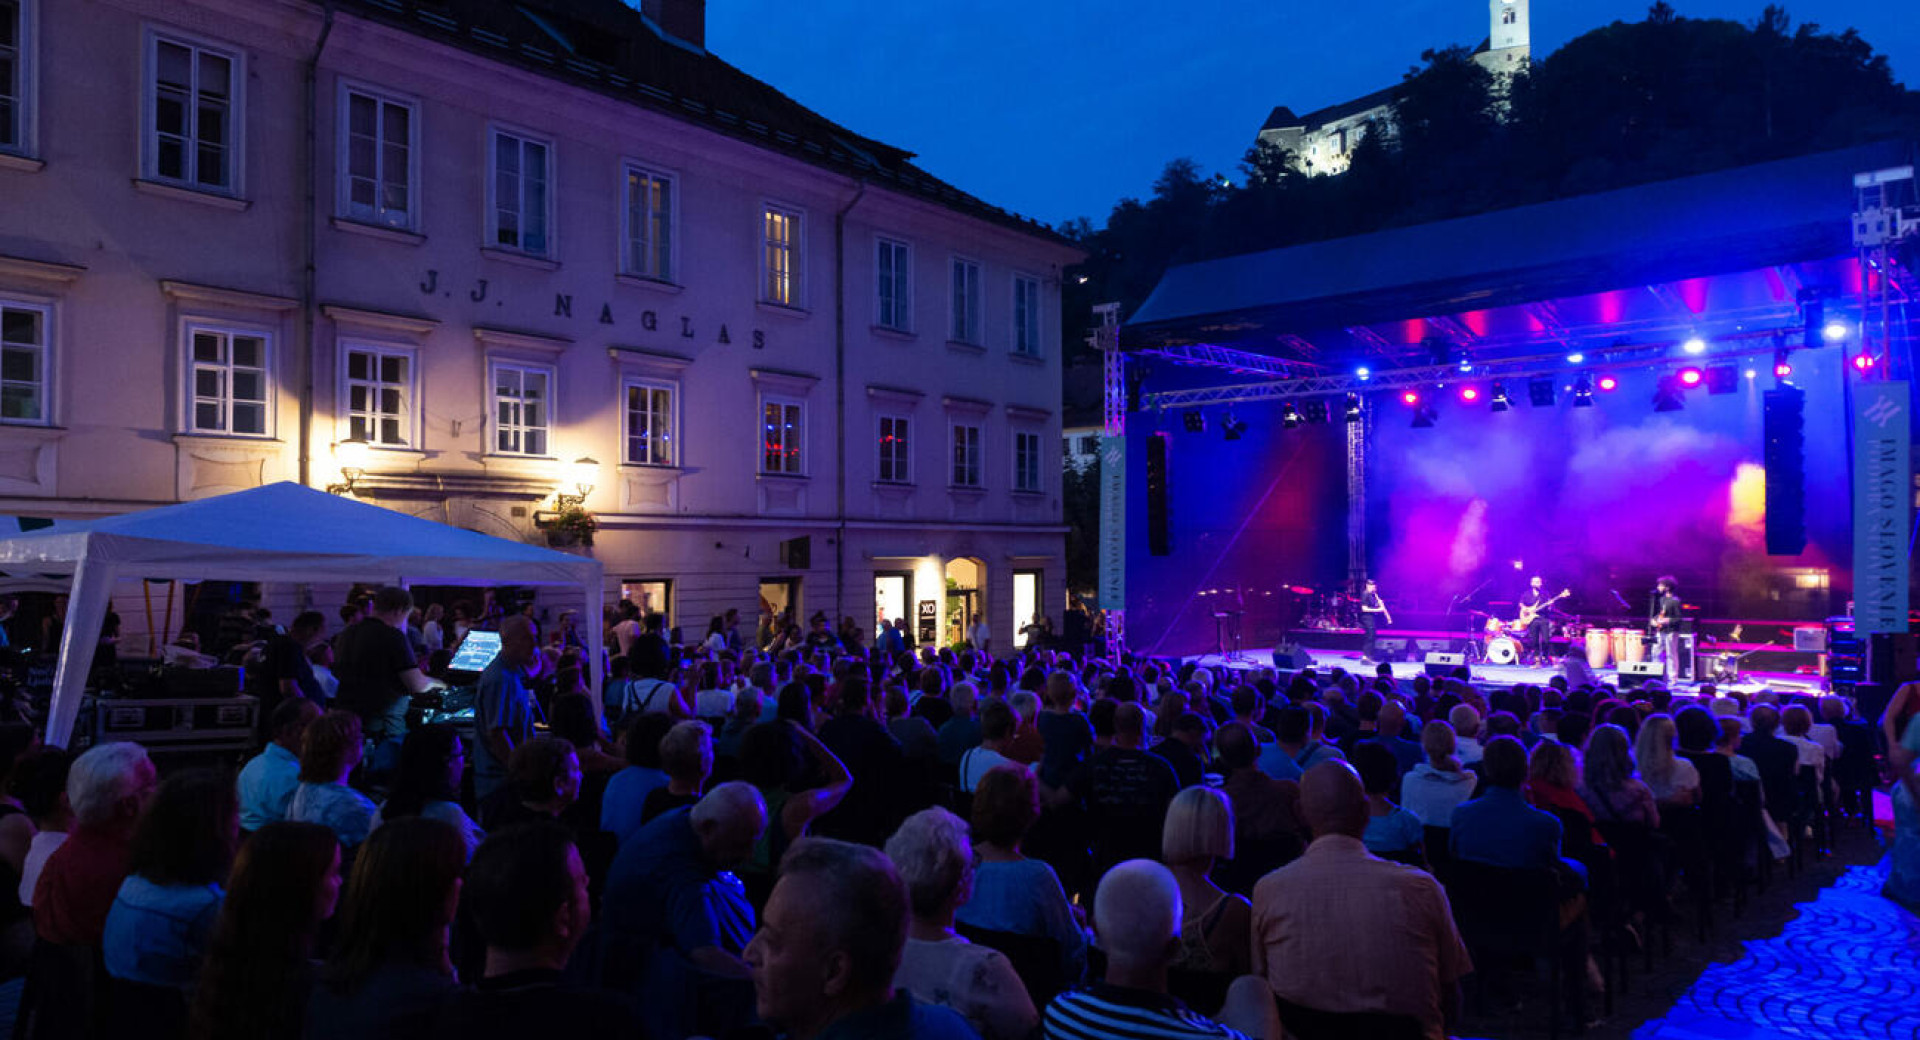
1060	108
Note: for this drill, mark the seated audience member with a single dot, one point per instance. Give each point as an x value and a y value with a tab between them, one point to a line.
936	860
1266	812
391	966
1392	831
1390	732
998	723
1465	720
1012	892
1214	929
962	731
678	919
627	790
1185	748
329	751
1727	746
1249	706
1553	779
1066	732
1434	788
824	959
686	756
1499	828
543	780
259	970
1340	931
1607	783
1137	913
1826	732
1127	790
162	919
1795	725
1776	759
108	786
527	893
432	760
1673	780
38	781
1028	744
268	780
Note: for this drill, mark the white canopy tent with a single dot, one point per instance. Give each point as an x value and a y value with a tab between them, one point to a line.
278	533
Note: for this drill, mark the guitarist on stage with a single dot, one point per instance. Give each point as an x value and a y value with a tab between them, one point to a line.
1666	623
1533	618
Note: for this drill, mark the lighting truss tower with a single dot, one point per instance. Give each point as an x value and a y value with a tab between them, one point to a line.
1357	499
1886	214
1113	477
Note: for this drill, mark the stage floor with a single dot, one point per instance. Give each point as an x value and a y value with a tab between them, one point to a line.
1514	675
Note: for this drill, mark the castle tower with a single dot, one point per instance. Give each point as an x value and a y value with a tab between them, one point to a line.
1508	35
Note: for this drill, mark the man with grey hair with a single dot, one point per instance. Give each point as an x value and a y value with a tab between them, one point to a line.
503	706
1136	914
676	916
824	958
961	733
108	787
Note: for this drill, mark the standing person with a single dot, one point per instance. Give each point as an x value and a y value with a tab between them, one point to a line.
503	706
626	630
432	630
38	781
1372	610
328	753
1903	873
289	672
1533	605
108	786
259	973
1127	790
376	668
162	918
268	781
428	783
1666	623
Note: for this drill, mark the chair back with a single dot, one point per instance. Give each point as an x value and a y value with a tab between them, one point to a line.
1503	911
1204	991
1305	1023
1035	958
58	1000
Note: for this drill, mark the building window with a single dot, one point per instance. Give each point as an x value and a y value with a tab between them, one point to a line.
780	245
520	196
194	118
522	409
966	455
650	422
379	386
782	434
1026	316
650	203
23	362
1508	17
16	75
1089	444
895	452
229	373
966	302
377	150
1026	461
893	275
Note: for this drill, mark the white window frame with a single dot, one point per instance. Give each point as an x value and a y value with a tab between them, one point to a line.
965	323
410	394
191	327
628	171
343	175
46	354
236	114
548	372
796	255
895	313
495	131
760	445
1031	347
974	461
1038	484
673	449
26	66
904	431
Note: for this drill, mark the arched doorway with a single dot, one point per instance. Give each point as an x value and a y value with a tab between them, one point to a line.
966	594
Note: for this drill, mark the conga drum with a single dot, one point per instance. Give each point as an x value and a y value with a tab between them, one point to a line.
1599	647
1628	646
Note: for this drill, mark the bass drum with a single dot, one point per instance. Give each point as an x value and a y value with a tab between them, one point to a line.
1502	650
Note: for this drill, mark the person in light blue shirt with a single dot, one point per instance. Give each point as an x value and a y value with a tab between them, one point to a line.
503	707
331	748
162	918
268	781
1391	830
627	790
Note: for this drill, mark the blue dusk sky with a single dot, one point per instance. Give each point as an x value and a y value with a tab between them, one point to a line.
1059	108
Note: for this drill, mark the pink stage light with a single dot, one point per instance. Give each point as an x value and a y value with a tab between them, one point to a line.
1691	376
1411	397
1609	383
1863	362
1470	394
1782	370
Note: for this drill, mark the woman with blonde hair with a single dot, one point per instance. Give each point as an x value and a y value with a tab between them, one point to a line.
1673	780
1434	788
1216	935
1607	783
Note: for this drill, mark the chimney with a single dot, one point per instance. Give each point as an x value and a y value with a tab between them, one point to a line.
683	20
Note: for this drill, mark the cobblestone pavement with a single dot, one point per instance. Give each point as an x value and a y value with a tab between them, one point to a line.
1822	956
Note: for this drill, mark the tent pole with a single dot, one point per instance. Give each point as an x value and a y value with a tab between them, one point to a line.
86	609
590	620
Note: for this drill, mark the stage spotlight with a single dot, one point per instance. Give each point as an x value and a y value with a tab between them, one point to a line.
1608	384
1694	345
1196	422
1314	411
1753	373
1289	416
1410	398
1231	428
1424	416
1691	377
1835	331
1576	358
1782	368
1583	391
1466	364
1723	379
1497	400
1353	408
1668	397
1363	373
1540	392
1470	394
1863	362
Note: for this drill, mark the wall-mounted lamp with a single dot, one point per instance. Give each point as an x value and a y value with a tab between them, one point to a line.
581	472
351	454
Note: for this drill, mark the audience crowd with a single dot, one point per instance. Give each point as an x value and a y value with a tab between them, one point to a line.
792	834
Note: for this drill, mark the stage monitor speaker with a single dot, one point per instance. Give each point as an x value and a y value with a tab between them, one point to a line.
1783	429
1634	674
1291	657
1441	665
1159	523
